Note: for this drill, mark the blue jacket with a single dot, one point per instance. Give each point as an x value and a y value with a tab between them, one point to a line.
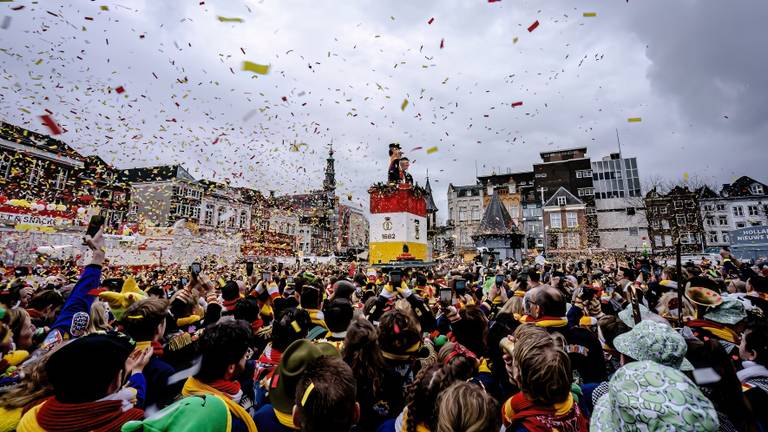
79	300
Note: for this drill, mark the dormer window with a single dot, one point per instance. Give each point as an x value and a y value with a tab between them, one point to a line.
757	189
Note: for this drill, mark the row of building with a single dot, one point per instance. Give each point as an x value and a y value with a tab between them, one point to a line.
569	203
38	168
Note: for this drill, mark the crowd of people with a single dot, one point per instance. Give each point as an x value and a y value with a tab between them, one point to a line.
563	346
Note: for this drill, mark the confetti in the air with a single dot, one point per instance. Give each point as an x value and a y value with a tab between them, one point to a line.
442	43
255	67
517	104
590	14
533	26
51	124
634	119
232	19
685	176
515	39
404	104
431	20
432	150
120	90
104	8
6	22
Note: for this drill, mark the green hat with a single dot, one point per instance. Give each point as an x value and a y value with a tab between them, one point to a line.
205	413
729	312
647	396
645	314
654	341
293	363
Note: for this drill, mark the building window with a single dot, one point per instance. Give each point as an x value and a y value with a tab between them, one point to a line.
586	191
712	238
757	189
721	207
555	221
655	224
753	210
208	220
61	178
35	172
723	220
678	205
541	175
583	173
475	213
561	200
680	219
668	240
591	211
657	240
634	231
663	210
740	224
5	164
691	218
710	220
687	238
738	211
630	211
664	224
571	219
462	213
708	207
243	218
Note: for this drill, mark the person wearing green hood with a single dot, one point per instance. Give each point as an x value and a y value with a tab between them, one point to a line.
204	413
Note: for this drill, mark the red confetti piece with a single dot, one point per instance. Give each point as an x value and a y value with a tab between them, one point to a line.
120	90
442	43
517	104
431	20
49	122
285	98
533	26
493	1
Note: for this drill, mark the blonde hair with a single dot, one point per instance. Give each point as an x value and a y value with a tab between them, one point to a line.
98	321
466	407
33	386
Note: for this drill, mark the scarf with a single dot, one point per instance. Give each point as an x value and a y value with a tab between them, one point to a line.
560	417
103	415
751	370
718	330
285	419
545	321
157	347
222	389
229	305
267	364
401	423
317	318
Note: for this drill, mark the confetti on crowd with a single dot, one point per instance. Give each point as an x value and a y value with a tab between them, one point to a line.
634	119
431	20
533	26
432	150
255	67
590	14
228	19
51	124
404	104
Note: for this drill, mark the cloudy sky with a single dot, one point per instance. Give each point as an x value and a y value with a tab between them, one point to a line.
696	72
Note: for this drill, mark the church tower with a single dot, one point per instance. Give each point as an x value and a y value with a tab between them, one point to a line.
329	184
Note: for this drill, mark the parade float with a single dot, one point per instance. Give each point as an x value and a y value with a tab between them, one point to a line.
398	225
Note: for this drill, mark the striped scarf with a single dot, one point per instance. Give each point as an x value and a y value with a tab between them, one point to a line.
317	318
98	416
222	389
157	347
267	363
561	417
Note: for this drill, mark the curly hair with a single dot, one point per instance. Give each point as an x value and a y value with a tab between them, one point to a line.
422	394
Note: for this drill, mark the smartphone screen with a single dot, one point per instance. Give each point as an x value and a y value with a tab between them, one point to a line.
395	279
499	280
289	280
249	268
445	296
95	224
195	269
460	286
267	276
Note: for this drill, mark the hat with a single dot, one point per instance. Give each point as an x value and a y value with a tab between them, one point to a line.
729	312
654	341
295	360
703	292
204	413
82	370
394	146
647	396
645	314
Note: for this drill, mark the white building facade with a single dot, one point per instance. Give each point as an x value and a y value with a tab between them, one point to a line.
741	204
621	219
465	210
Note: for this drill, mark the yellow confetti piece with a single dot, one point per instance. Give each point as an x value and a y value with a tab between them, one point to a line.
104	8
39	61
431	150
295	326
590	14
255	67
514	40
404	104
685	176
634	119
225	19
